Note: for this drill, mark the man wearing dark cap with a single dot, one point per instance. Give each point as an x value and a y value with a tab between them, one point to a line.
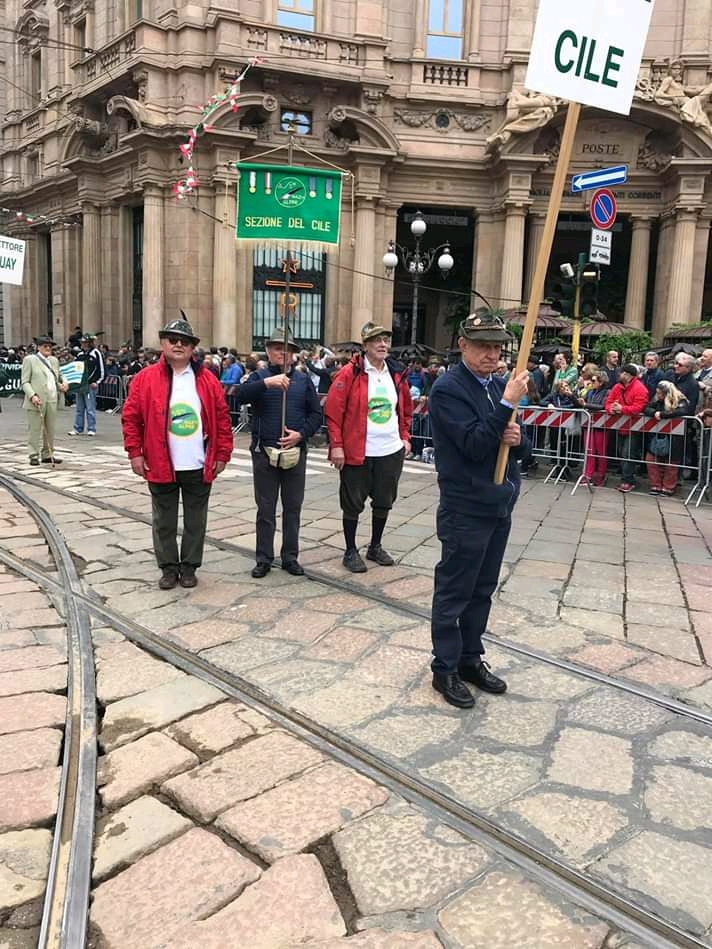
368	414
86	393
628	396
42	382
471	412
178	437
281	428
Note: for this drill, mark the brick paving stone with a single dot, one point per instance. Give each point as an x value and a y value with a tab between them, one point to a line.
594	621
346	702
390	665
546	569
337	602
544	682
28	601
379	618
28	797
662	671
23	751
239	774
377	939
121	677
607	657
214	730
536	587
297	813
46	679
295	676
416	590
256	608
302	626
19	938
697	596
32	657
575	750
601	599
16	639
24	863
31	710
207	633
401	735
25	619
404	860
683	746
135	830
520	723
657	614
249	653
504	910
668	641
612	710
414	637
575	825
701	696
133	716
661	871
485	780
201	874
296	882
679	797
343	644
131	770
653	590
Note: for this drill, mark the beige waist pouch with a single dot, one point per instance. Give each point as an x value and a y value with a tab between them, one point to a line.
283	457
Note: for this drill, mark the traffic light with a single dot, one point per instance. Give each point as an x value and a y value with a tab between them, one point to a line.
563	296
590	277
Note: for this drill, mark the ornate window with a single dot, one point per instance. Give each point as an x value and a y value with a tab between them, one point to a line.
296	14
268	305
445	29
300	122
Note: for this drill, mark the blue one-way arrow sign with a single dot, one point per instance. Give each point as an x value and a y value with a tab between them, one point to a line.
601	178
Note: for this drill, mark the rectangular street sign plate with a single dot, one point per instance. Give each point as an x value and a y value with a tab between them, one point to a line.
600	178
601	246
589	53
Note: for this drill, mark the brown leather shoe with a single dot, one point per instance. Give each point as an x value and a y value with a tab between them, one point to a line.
188	578
168	580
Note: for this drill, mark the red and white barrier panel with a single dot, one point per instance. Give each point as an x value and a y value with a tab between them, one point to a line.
637	423
548	418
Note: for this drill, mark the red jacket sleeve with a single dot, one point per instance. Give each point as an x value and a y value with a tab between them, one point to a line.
637	399
335	405
615	395
406	411
132	421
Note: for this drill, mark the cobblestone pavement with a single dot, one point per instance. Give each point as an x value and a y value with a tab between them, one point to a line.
212	815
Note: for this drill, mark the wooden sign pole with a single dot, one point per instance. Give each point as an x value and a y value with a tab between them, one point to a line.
542	262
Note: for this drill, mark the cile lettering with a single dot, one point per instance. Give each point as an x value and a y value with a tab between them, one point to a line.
581	54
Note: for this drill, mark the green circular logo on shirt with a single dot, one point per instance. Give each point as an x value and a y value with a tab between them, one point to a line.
380	410
184	420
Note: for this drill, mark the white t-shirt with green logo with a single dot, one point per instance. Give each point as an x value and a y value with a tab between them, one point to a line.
185	431
382	436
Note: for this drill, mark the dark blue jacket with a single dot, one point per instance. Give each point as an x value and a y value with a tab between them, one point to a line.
467	425
304	413
650	379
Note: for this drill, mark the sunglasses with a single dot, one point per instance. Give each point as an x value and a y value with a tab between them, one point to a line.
174	340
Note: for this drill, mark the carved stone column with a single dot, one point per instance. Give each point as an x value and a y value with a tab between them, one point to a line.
702	240
536	232
678	308
362	293
638	273
153	271
419	29
663	270
91	268
510	288
224	331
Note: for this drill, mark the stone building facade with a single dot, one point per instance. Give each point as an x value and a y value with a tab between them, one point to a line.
420	100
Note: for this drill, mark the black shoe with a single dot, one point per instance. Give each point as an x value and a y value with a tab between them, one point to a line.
168	580
35	462
453	690
296	569
51	461
353	562
261	570
187	578
378	554
480	676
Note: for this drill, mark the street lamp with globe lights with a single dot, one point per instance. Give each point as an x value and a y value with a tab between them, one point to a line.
417	262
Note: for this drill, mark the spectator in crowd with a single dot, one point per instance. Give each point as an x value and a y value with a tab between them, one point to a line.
76	337
682	376
471	409
563	372
209	363
280	433
560	437
705	371
664	454
596	438
231	372
628	397
416	375
42	382
179	449
86	393
537	377
611	367
368	415
653	373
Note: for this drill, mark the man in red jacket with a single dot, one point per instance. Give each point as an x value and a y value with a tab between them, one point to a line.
629	396
178	437
368	413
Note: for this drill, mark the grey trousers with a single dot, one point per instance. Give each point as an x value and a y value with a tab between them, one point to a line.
269	484
164	502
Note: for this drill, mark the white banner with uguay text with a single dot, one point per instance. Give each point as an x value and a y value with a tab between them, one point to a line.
12	260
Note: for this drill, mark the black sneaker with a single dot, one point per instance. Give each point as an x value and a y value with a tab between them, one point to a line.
453	690
379	555
480	675
353	562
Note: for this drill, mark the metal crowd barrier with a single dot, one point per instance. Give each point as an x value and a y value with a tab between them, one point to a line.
111	394
702	487
239	414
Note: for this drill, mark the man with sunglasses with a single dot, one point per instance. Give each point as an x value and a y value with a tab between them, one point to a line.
178	437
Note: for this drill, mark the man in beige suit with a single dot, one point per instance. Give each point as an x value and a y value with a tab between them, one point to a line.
42	383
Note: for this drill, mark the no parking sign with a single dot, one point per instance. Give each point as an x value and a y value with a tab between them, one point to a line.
603	209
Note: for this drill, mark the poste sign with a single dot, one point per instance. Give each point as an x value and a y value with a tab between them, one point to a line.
12	260
589	52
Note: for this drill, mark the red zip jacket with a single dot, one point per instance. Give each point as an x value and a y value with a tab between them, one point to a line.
346	408
633	397
145	420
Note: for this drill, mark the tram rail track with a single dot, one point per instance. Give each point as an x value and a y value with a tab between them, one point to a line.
70	878
658	698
